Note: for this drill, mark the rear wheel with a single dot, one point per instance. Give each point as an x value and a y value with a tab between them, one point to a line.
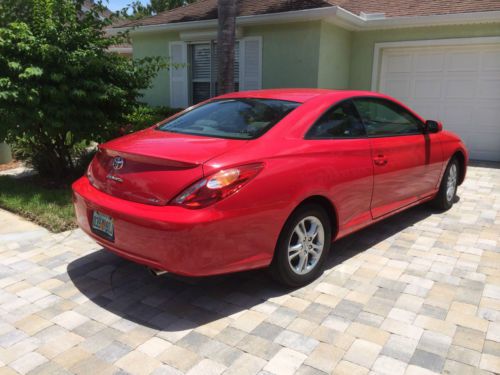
302	246
448	189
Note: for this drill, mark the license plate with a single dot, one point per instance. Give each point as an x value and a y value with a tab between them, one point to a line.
103	225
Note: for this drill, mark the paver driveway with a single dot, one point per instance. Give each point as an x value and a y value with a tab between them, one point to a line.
416	294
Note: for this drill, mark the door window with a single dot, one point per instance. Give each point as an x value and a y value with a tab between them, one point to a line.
341	121
383	118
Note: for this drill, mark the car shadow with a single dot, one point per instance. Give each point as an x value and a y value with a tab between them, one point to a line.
173	303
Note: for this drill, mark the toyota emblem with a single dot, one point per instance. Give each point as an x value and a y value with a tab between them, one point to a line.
118	162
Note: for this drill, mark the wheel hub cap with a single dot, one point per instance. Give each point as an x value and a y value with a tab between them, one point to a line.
451	183
306	245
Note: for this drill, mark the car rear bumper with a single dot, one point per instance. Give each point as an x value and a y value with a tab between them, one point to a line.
178	240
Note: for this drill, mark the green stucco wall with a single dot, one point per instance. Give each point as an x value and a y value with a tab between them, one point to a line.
363	44
155	44
290	53
334	57
309	54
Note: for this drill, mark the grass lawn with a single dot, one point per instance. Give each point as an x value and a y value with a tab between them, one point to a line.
51	208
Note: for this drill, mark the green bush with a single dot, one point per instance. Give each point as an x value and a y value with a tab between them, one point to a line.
144	116
60	87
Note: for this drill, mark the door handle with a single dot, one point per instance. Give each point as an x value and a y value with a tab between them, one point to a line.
380	160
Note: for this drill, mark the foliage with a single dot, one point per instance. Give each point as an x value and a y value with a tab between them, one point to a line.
144	116
60	88
11	10
136	9
46	206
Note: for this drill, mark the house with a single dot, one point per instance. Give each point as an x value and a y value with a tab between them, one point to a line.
440	57
124	49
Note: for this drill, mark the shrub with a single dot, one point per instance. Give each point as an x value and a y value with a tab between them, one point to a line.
144	116
60	88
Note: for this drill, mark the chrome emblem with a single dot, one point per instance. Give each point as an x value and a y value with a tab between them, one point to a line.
118	162
114	178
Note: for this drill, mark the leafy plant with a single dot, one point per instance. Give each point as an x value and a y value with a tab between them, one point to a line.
136	9
144	116
60	88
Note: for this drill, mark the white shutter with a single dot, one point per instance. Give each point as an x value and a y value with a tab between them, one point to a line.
250	64
178	75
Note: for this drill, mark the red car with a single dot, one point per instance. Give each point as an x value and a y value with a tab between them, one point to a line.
264	178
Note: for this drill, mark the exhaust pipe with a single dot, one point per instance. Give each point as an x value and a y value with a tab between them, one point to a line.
156	272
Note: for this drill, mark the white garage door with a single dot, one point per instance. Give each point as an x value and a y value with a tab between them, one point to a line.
458	85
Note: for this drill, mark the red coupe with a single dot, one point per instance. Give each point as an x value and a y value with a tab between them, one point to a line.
264	179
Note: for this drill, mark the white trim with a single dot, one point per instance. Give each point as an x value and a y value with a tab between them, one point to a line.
334	14
434	20
242	61
204	35
182	97
379	48
121	50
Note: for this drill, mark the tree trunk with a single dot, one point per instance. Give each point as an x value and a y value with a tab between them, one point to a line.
225	45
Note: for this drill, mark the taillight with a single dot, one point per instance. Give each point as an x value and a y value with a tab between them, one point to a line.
218	186
89	173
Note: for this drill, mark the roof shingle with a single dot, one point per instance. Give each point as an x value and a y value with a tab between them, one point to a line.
207	9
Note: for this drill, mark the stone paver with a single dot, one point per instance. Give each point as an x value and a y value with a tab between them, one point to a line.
418	293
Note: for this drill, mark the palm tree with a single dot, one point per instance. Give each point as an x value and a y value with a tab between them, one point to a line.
225	45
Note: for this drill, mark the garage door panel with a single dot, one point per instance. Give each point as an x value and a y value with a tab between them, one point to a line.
460	88
462	61
490	61
487	144
399	63
459	85
426	110
429	62
457	114
486	117
489	89
400	87
427	88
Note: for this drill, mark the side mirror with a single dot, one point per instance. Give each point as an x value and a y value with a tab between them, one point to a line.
432	126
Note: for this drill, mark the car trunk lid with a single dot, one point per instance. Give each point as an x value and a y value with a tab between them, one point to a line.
152	166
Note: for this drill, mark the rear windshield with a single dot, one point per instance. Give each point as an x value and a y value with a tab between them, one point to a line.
231	118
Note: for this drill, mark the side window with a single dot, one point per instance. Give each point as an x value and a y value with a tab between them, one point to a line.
341	121
384	118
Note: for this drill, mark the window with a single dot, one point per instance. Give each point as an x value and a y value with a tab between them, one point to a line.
384	118
341	121
244	118
204	71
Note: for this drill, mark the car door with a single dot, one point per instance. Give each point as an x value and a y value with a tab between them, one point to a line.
339	138
406	160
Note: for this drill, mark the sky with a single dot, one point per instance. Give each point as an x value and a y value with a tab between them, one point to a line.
119	4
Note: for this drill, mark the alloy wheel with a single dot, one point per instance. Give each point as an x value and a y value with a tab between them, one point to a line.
451	183
306	245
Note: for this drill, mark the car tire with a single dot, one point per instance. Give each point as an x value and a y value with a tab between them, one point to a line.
302	246
448	189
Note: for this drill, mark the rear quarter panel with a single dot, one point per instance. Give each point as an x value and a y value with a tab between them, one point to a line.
340	171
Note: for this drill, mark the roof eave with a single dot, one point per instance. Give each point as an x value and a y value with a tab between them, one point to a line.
261	19
437	20
333	14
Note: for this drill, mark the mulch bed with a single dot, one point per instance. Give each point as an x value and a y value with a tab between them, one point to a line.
11	165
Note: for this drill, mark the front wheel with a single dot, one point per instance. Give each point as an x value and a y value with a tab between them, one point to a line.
448	189
302	246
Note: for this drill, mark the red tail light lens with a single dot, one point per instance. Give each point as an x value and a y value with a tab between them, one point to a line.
218	186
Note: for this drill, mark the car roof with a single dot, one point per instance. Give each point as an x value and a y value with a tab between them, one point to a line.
300	95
